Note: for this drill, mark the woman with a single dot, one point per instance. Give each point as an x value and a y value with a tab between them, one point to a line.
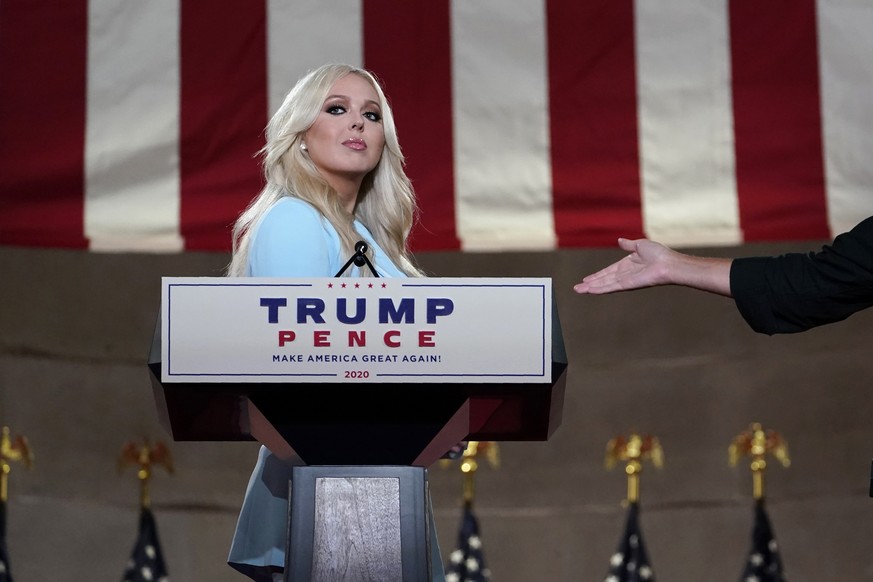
334	169
334	176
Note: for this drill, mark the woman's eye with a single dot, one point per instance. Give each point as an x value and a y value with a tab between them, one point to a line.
373	116
336	109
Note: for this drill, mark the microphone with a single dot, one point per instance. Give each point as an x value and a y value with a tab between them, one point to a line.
360	256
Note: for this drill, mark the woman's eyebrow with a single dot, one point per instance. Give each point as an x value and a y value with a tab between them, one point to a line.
346	98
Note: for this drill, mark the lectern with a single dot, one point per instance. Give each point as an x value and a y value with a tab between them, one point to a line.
368	382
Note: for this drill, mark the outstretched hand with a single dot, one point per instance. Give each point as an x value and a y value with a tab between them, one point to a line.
645	266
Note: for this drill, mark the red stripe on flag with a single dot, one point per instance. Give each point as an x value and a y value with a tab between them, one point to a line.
593	121
43	55
223	113
779	153
408	46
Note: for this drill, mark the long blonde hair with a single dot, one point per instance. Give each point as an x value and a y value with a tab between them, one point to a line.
386	201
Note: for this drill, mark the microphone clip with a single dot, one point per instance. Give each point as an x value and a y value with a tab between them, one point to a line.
359	258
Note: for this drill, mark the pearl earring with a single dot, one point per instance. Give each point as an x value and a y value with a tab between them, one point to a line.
303	146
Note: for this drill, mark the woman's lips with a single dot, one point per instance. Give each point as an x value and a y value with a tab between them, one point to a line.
355	143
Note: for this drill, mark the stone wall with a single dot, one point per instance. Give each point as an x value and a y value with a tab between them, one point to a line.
74	333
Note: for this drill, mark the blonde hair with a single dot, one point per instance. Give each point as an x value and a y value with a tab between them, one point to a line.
386	201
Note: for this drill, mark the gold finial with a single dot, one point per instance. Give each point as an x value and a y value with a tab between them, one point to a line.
145	456
756	443
634	449
12	450
470	463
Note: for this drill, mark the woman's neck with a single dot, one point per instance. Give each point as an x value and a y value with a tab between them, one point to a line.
347	191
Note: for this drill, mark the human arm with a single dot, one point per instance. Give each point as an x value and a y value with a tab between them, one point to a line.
796	291
779	294
650	264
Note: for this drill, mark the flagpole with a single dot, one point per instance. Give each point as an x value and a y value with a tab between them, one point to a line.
757	443
145	456
469	465
146	560
633	450
630	562
12	450
467	561
764	561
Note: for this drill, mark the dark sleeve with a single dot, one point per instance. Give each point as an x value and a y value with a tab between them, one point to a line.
797	291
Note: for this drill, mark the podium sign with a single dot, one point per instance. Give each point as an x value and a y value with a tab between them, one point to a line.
358	330
376	372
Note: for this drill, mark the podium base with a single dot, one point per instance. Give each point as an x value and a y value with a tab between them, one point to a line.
357	524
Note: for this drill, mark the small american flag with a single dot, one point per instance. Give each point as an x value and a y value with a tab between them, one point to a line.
764	563
630	563
467	562
5	574
146	562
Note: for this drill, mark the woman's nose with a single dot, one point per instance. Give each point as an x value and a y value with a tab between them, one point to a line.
357	120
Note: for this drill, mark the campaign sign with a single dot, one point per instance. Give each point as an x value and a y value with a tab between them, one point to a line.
249	329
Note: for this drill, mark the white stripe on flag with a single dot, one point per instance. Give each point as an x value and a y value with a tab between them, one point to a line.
306	34
502	172
686	122
131	143
846	65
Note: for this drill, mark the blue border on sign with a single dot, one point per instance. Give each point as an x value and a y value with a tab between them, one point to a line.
170	373
543	338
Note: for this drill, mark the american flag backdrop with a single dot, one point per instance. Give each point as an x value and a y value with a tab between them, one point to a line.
527	124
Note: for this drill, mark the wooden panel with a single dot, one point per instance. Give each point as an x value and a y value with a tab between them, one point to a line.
357	530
